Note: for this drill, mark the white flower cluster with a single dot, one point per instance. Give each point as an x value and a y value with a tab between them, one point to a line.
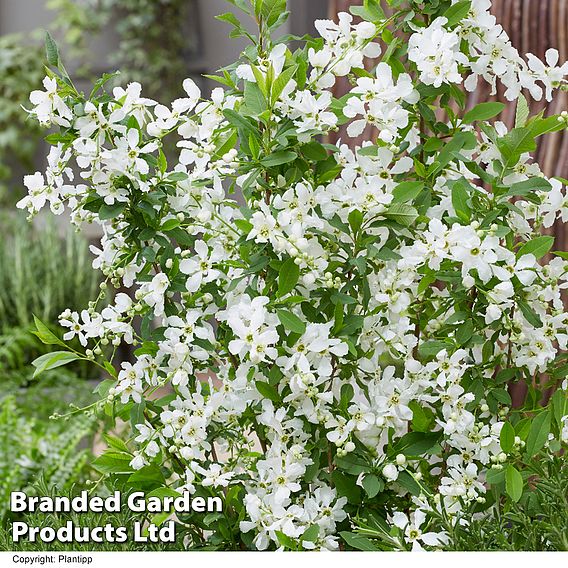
275	383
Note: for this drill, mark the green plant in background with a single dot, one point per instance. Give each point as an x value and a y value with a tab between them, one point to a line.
153	38
41	272
21	69
52	393
31	449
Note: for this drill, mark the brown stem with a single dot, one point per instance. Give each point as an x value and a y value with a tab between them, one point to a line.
330	465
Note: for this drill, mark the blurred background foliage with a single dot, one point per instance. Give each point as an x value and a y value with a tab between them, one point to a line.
21	71
43	269
153	43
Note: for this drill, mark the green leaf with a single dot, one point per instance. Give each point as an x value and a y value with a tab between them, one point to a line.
285	541
422	418
409	483
451	150
137	413
507	437
271	10
346	486
540	126
254	99
530	315
279	158
267	391
516	142
281	81
162	492
291	322
528	186
358	542
559	404
230	18
495	476
102	81
501	395
402	214
115	443
372	485
456	13
169	225
374	8
538	246
353	464
113	462
254	146
513	483
522	111
346	397
240	122
177	176
44	334
311	534
51	50
483	111
464	332
415	443
288	277
538	433
431	347
407	191
315	151
460	197
370	11
111	211
261	81
53	360
162	161
355	219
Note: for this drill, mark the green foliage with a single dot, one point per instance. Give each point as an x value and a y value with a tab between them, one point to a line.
42	273
125	518
21	69
17	347
538	521
32	448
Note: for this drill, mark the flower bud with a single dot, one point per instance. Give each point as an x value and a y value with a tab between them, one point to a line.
349	446
390	472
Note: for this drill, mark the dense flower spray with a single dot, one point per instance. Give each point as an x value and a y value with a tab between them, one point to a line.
337	326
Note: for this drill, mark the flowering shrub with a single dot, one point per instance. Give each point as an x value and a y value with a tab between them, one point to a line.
338	326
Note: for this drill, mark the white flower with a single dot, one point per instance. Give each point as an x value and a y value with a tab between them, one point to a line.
413	534
436	54
214	476
551	75
390	472
200	269
49	107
